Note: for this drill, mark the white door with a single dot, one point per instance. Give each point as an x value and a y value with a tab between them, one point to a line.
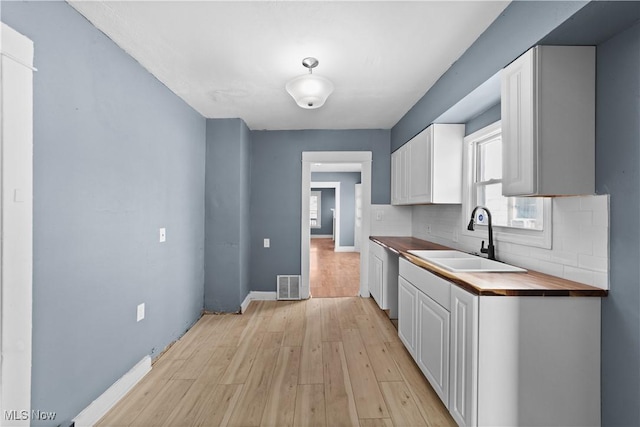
433	345
16	154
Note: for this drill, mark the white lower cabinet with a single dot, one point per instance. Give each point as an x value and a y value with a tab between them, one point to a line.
407	298
433	345
383	278
375	277
503	360
463	362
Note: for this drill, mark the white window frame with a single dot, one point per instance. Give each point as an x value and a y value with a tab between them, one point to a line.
318	195
536	238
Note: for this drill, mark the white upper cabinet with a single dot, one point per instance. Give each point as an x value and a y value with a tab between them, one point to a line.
428	168
420	167
399	176
548	122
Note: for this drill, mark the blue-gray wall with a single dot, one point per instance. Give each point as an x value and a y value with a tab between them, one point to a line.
521	25
327	203
348	181
227	193
617	174
276	194
482	120
116	156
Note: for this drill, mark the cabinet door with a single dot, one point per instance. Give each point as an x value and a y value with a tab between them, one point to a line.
399	176
433	345
376	270
407	295
420	167
519	139
395	193
463	362
405	154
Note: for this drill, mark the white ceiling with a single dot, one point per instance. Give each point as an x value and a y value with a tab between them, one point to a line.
233	59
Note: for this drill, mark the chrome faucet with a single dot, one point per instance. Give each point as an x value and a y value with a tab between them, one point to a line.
489	250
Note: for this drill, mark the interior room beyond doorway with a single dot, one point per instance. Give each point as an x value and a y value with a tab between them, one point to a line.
333	274
335	230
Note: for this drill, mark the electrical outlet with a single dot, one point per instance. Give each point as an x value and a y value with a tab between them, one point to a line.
163	235
428	228
456	237
140	312
267	243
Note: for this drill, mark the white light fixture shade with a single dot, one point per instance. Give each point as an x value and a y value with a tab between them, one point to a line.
310	91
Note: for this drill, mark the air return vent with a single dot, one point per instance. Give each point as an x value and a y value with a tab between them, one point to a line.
288	287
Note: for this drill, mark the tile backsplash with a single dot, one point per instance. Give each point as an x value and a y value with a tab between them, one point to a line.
388	220
580	238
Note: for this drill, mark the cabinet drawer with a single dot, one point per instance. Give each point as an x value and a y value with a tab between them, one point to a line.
436	288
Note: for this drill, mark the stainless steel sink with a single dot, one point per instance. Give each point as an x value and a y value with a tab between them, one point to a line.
461	262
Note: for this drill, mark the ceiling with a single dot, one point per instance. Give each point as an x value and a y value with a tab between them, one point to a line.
232	59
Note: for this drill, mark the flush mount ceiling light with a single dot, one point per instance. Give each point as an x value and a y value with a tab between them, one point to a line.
310	90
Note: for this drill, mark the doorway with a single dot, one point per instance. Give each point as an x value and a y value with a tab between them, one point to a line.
309	161
334	262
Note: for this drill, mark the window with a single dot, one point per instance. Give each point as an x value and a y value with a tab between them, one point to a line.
515	219
315	209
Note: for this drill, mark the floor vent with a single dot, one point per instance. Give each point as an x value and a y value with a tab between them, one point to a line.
288	287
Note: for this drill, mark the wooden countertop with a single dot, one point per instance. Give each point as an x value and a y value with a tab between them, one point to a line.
531	283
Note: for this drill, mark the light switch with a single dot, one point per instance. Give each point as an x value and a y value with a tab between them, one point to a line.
267	243
378	215
18	196
163	235
140	312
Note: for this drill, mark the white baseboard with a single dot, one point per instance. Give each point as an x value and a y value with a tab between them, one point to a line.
322	236
107	400
345	249
256	296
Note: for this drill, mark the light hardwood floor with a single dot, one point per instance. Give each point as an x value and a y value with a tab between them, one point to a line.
333	274
319	362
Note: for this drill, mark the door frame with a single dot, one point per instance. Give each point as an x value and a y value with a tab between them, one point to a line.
16	250
309	157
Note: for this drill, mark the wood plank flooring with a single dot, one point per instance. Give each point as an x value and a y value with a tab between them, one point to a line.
320	362
333	274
